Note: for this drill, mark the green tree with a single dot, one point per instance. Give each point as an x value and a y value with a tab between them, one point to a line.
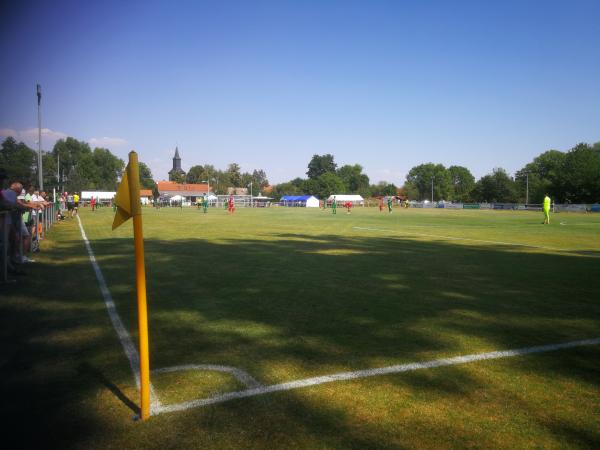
259	178
19	161
383	189
580	178
70	151
288	188
51	178
108	169
146	178
196	174
419	179
355	180
463	183
319	165
177	177
544	175
233	174
497	187
328	184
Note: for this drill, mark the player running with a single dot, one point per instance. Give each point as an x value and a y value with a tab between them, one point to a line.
546	209
389	204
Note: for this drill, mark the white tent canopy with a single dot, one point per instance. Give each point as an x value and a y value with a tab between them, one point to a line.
355	199
98	195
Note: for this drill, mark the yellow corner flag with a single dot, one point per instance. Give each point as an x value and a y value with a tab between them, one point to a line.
123	202
129	205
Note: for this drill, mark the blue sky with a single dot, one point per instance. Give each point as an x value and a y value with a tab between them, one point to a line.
388	85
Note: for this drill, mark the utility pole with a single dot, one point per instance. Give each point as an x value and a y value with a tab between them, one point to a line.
251	205
431	189
527	189
40	176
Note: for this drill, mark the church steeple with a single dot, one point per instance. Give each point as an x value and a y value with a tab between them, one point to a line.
177	161
176	173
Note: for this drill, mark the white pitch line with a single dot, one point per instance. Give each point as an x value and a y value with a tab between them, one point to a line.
126	341
344	376
241	375
456	238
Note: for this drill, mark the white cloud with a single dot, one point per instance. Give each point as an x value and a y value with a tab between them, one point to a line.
49	137
107	142
30	136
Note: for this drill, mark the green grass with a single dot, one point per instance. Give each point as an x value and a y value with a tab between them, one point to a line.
292	293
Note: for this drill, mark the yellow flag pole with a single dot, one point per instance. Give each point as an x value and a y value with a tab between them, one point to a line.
140	282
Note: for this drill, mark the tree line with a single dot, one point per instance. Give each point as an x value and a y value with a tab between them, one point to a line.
572	176
73	166
568	177
220	180
325	178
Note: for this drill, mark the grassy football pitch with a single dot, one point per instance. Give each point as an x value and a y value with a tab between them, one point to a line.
287	294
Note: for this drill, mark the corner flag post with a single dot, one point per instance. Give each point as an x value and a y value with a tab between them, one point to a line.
129	205
140	282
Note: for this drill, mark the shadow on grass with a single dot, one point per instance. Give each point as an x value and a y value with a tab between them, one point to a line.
87	370
289	307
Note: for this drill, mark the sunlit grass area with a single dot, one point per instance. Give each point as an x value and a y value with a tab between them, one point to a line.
286	294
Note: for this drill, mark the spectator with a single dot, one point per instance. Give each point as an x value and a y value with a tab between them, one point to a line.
17	227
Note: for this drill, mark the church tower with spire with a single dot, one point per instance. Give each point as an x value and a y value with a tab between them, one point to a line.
176	173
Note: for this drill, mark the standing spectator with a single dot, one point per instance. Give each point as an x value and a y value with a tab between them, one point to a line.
18	229
39	200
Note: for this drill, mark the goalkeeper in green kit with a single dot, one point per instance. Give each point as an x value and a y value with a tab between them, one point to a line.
334	206
546	209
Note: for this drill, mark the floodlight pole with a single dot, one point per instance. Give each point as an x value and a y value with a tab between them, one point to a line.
251	205
40	176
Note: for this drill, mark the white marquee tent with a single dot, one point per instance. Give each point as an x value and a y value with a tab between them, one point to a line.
98	195
342	198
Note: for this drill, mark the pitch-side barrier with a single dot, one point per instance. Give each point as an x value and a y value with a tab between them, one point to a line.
509	206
